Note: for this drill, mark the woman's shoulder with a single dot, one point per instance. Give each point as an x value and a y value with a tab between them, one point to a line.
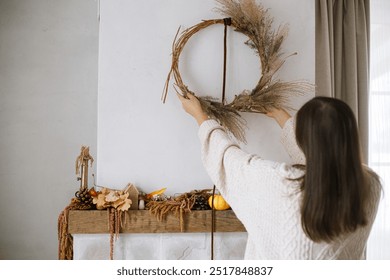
374	182
373	177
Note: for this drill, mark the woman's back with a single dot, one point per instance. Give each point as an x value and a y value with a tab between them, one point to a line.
267	200
321	207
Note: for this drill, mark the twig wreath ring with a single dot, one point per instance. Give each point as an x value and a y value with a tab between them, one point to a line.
253	21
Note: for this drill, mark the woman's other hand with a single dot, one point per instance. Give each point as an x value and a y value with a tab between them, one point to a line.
280	116
192	106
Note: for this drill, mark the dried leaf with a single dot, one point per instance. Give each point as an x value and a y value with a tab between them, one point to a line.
124	205
112	196
160	191
100	201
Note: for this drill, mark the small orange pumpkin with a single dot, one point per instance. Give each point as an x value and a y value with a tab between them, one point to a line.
219	202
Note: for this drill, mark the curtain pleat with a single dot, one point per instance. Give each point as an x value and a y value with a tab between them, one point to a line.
342	56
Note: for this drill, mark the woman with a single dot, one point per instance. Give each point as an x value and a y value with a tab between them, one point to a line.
323	207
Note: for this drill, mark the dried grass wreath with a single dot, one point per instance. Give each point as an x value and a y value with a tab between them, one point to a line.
253	21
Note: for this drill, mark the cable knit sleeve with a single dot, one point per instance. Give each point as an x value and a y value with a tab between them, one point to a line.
232	170
290	144
217	148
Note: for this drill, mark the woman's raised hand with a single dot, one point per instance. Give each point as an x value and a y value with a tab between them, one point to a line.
192	106
280	115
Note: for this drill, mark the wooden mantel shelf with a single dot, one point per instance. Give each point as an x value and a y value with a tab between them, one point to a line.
142	221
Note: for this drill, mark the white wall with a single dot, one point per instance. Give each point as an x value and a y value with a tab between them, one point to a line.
48	109
154	145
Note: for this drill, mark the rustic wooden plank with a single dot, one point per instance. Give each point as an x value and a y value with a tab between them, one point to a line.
141	221
88	221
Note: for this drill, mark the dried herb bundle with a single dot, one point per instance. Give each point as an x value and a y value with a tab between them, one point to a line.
252	20
65	239
115	225
177	206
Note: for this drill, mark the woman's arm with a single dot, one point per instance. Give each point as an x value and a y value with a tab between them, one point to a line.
286	122
289	142
232	170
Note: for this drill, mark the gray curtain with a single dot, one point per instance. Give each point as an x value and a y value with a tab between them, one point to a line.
342	56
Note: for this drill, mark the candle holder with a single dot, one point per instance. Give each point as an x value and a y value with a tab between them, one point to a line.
82	162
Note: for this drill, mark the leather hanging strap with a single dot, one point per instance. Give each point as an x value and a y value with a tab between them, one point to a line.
212	224
226	21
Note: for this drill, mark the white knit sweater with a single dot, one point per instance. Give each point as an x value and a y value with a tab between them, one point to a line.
267	202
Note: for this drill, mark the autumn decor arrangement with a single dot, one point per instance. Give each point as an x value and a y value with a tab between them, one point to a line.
111	200
118	202
81	201
254	21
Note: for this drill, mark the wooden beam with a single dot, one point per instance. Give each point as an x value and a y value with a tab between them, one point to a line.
141	221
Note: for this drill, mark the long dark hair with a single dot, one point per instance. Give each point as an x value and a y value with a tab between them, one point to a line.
334	187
